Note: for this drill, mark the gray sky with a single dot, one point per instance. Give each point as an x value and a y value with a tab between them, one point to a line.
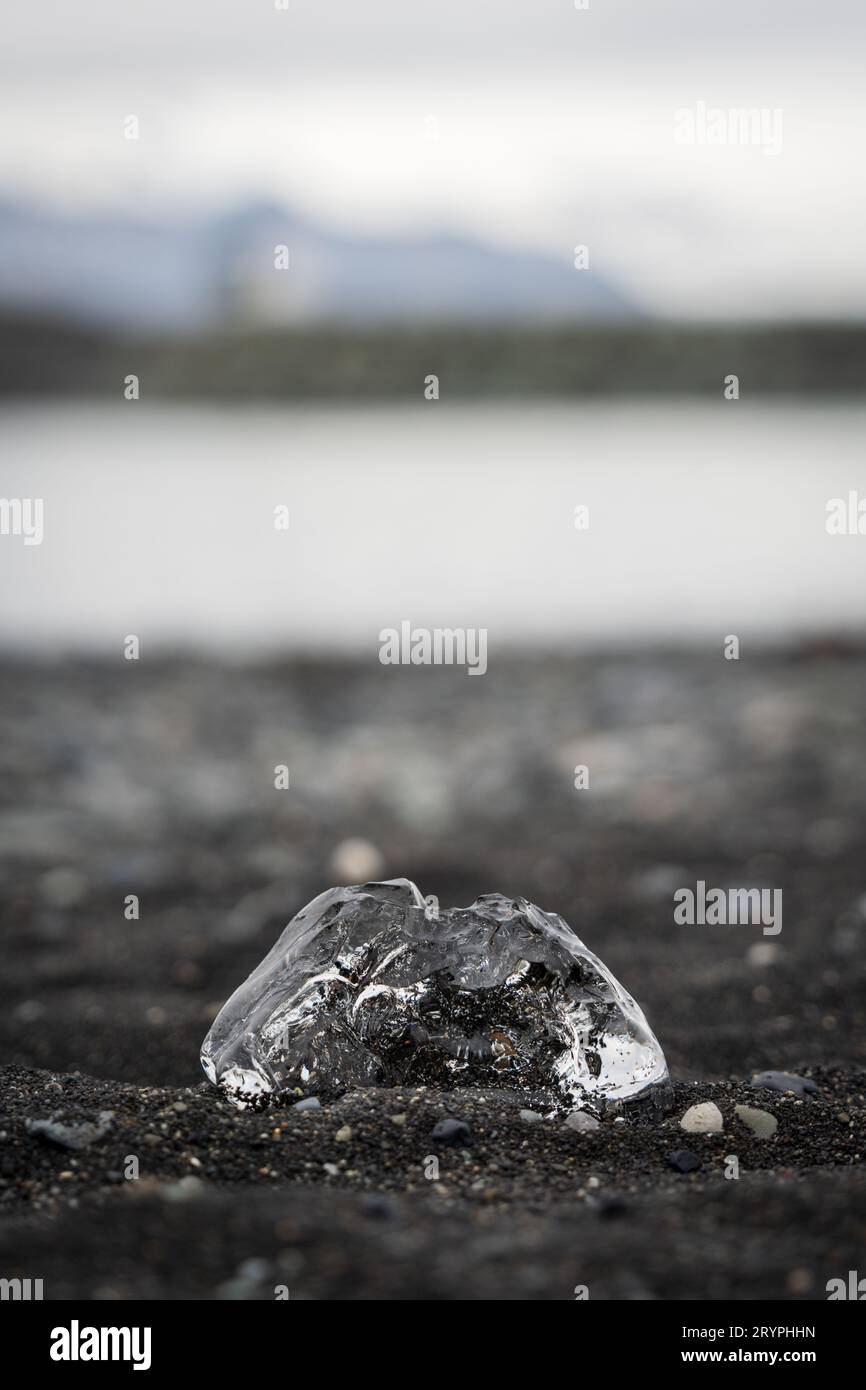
526	122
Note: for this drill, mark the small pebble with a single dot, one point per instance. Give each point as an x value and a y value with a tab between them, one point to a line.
356	861
309	1103
378	1204
684	1160
799	1280
343	1135
703	1119
581	1121
77	1134
530	1116
760	1122
184	1190
783	1081
763	953
452	1132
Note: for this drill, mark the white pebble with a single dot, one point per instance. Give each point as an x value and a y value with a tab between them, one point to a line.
703	1119
356	861
763	953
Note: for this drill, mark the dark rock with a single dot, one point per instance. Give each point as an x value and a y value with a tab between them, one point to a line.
684	1160
784	1081
378	1205
452	1132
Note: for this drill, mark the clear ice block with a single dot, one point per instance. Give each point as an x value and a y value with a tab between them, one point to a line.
374	985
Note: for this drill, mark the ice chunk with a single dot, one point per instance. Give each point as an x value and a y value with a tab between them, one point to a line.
376	986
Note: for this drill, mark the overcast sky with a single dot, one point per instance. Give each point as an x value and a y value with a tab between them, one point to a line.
525	122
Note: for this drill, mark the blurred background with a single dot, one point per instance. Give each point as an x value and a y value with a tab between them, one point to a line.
283	222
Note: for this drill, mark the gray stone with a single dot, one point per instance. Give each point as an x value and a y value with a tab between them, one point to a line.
760	1122
581	1121
76	1134
784	1081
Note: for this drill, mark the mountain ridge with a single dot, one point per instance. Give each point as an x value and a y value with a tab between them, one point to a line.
176	272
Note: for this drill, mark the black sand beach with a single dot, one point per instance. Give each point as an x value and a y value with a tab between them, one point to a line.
156	779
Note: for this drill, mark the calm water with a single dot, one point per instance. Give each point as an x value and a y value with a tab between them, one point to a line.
704	519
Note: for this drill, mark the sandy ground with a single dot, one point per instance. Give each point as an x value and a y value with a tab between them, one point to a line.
158	781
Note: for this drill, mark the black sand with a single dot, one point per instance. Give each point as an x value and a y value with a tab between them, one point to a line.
158	780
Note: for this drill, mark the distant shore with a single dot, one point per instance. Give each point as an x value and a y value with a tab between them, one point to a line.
44	356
